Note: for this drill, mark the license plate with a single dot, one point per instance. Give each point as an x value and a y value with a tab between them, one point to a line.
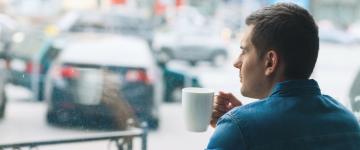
90	87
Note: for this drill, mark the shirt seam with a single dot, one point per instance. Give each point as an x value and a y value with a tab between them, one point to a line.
237	123
314	90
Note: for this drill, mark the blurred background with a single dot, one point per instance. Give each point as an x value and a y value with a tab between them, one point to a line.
71	68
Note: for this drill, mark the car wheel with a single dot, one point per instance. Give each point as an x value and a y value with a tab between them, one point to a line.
3	100
63	117
153	123
192	63
175	95
51	118
218	59
40	96
57	118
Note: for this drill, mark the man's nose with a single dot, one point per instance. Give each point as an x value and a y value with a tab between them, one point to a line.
238	63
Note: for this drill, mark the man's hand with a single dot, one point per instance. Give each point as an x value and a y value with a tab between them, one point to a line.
222	104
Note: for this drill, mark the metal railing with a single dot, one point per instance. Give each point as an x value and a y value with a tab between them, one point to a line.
123	140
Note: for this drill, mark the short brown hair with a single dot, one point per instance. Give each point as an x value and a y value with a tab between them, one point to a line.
292	32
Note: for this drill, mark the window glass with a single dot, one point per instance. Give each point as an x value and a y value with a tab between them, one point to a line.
76	68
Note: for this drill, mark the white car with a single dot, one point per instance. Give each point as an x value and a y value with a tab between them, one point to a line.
192	46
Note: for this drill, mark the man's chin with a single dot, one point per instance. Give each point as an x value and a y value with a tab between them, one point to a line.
243	92
247	94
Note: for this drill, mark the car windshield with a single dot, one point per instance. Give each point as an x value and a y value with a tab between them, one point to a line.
88	71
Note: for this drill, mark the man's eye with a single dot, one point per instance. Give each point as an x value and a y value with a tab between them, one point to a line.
243	51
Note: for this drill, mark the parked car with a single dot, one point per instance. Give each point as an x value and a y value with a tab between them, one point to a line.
3	81
193	46
79	84
27	54
31	57
329	33
175	81
130	24
7	27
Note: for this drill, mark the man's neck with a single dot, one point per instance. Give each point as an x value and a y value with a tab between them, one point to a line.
272	82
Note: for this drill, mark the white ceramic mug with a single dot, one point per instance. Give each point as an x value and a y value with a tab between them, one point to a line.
197	104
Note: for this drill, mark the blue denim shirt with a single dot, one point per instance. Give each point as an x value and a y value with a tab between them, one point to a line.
294	117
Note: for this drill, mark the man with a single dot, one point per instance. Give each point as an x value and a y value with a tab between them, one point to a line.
279	52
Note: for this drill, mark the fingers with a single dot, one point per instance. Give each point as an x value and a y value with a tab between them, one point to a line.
220	107
218	111
220	99
223	102
213	123
229	98
215	117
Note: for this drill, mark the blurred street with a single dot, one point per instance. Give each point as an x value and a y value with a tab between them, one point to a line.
100	63
25	119
17	127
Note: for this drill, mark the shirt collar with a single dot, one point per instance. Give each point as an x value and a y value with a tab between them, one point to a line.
303	87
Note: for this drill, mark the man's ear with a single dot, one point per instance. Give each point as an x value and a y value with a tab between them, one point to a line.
271	62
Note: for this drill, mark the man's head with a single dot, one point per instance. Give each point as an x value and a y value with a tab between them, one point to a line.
281	43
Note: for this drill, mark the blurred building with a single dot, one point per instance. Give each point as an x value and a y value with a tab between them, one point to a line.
303	3
341	13
206	7
32	13
33	8
107	4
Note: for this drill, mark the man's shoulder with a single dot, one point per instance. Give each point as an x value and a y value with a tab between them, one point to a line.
273	111
271	106
255	109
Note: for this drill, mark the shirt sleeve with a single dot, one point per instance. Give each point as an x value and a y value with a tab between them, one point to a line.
227	136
